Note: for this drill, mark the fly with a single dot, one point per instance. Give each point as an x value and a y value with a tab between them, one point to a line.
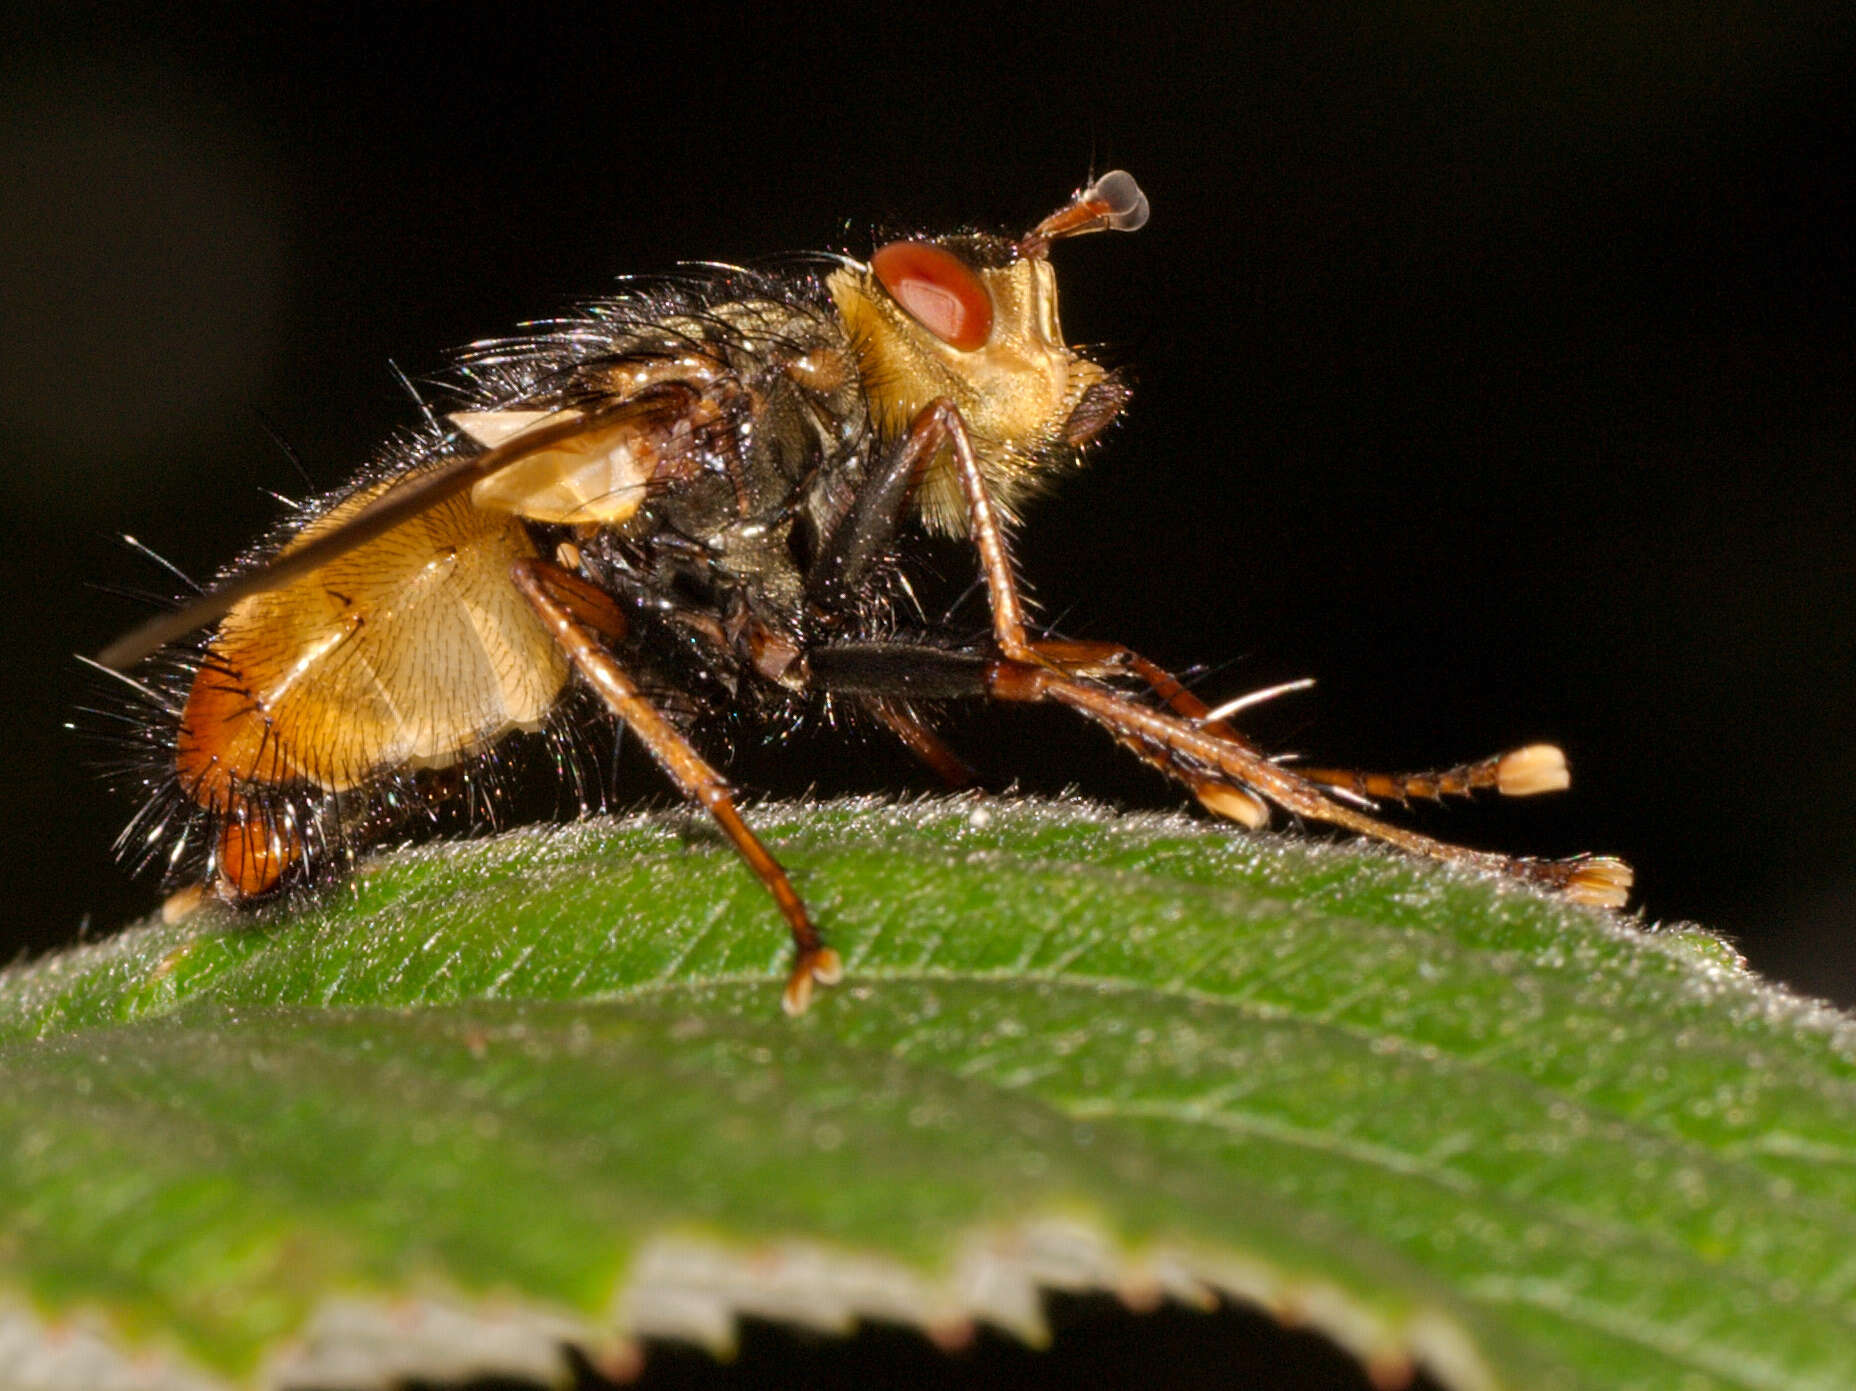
699	496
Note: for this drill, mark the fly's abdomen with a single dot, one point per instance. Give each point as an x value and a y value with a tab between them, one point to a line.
412	650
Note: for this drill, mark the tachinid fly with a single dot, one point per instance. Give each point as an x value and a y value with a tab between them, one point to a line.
698	494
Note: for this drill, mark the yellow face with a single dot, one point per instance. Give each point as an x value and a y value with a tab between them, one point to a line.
927	324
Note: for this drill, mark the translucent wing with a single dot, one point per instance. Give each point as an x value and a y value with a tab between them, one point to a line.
654	405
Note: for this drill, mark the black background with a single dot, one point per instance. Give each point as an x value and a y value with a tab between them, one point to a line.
1494	361
1495	365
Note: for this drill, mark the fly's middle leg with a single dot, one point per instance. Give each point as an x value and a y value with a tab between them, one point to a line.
576	612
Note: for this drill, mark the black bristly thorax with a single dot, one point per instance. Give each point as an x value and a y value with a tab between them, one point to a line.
713	571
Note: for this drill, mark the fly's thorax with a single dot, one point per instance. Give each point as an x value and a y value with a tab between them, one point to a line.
714	417
1017	387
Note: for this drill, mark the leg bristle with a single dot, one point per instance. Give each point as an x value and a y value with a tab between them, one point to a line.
1530	771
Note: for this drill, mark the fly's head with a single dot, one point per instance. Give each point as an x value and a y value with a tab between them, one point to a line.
973	318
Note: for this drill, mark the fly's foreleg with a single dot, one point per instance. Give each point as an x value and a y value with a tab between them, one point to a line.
1523	772
1224	770
869	525
577	613
1174	744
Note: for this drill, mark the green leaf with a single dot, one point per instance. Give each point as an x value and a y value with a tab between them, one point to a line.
499	1096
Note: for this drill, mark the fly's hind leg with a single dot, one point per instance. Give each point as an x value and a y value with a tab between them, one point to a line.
576	614
1210	758
930	749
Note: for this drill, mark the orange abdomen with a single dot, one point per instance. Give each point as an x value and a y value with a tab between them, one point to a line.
412	650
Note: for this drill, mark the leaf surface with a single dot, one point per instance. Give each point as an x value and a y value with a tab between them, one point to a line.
505	1095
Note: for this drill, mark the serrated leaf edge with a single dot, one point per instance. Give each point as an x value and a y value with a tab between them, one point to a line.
695	1288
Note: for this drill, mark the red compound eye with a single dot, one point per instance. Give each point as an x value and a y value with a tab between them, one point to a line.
939	289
